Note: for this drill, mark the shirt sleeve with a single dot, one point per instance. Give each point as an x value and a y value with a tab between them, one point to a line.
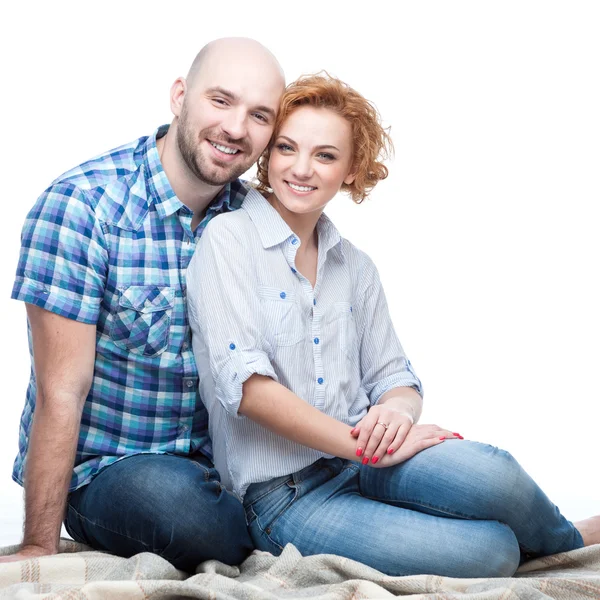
63	259
383	362
225	314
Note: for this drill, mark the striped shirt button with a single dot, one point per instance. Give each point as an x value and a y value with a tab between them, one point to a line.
316	340
294	241
293	270
320	380
232	346
282	295
314	301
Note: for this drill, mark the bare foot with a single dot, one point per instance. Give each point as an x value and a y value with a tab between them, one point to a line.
589	530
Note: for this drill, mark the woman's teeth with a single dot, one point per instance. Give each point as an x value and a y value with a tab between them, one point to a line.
301	188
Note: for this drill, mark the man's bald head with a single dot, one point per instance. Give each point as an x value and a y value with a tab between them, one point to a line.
225	110
243	52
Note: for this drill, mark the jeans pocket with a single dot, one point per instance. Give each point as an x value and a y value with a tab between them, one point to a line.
270	507
142	320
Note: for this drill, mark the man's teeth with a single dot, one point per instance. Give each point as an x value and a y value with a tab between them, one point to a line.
301	188
225	149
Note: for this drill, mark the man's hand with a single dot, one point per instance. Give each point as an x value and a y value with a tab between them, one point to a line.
25	553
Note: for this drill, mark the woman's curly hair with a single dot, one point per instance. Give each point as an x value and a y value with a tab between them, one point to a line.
371	143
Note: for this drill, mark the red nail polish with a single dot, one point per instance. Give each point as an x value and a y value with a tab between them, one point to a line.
359	452
375	459
456	434
460	437
365	461
443	437
390	450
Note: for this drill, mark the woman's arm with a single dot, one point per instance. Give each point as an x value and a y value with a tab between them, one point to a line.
275	407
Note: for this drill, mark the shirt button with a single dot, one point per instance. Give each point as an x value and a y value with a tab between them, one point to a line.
189	383
316	340
232	346
320	380
294	241
314	301
293	270
185	345
282	295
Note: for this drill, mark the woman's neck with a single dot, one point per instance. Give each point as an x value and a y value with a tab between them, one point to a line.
303	225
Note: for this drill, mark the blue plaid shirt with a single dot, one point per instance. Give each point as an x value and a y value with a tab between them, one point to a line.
108	243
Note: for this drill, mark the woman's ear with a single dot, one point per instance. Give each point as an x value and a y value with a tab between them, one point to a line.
350	178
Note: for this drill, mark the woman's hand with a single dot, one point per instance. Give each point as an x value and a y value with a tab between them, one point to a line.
381	432
420	437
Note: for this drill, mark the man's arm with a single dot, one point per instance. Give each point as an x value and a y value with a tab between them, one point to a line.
63	352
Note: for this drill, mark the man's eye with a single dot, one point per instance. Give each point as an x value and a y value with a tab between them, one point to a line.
261	117
220	101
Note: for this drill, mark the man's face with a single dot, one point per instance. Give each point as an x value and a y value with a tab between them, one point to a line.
227	119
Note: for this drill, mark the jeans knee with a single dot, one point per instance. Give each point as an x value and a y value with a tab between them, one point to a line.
500	556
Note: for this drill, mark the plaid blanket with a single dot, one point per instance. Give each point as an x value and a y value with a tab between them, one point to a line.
77	572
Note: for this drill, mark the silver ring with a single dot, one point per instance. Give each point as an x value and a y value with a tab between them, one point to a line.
383	424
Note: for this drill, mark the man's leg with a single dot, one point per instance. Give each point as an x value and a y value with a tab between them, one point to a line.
468	480
169	505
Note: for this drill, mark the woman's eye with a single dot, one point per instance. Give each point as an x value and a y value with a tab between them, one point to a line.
284	147
326	156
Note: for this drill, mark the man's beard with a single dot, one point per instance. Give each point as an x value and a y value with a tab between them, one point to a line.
198	164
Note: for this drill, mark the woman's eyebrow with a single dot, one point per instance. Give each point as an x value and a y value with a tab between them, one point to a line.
319	147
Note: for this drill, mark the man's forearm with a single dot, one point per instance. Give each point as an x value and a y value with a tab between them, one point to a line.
275	407
49	467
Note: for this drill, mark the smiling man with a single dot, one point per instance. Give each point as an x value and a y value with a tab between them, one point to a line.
113	436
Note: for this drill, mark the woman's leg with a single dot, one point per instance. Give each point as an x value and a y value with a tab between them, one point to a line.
468	480
320	510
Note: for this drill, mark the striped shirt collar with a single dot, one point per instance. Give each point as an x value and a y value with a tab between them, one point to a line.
161	192
273	230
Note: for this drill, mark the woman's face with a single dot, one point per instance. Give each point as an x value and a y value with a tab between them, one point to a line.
310	159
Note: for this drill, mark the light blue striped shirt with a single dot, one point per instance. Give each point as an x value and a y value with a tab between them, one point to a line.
251	311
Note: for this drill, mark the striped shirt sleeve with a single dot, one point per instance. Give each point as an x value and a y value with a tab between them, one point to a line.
63	259
225	314
383	363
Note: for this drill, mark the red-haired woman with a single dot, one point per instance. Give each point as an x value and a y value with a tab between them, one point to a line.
313	404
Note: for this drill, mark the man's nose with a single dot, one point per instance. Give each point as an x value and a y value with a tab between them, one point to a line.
234	125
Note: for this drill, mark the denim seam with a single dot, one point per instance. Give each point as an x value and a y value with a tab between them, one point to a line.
267	492
111	531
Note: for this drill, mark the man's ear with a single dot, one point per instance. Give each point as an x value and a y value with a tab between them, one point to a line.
178	90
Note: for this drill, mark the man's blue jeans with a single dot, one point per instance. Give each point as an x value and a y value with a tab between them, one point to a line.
172	506
458	509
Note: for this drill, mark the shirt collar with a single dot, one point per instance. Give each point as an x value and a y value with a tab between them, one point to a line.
273	230
163	196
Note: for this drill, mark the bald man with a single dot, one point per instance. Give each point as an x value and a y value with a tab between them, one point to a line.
113	437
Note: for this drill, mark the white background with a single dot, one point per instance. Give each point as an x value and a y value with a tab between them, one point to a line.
485	233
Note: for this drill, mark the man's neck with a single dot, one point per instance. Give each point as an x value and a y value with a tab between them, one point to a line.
192	192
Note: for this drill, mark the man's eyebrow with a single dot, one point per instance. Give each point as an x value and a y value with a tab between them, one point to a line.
321	147
229	94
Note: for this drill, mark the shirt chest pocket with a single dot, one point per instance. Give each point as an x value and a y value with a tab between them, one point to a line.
142	319
344	322
282	316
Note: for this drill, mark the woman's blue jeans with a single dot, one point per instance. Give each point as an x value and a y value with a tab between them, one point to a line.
458	509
